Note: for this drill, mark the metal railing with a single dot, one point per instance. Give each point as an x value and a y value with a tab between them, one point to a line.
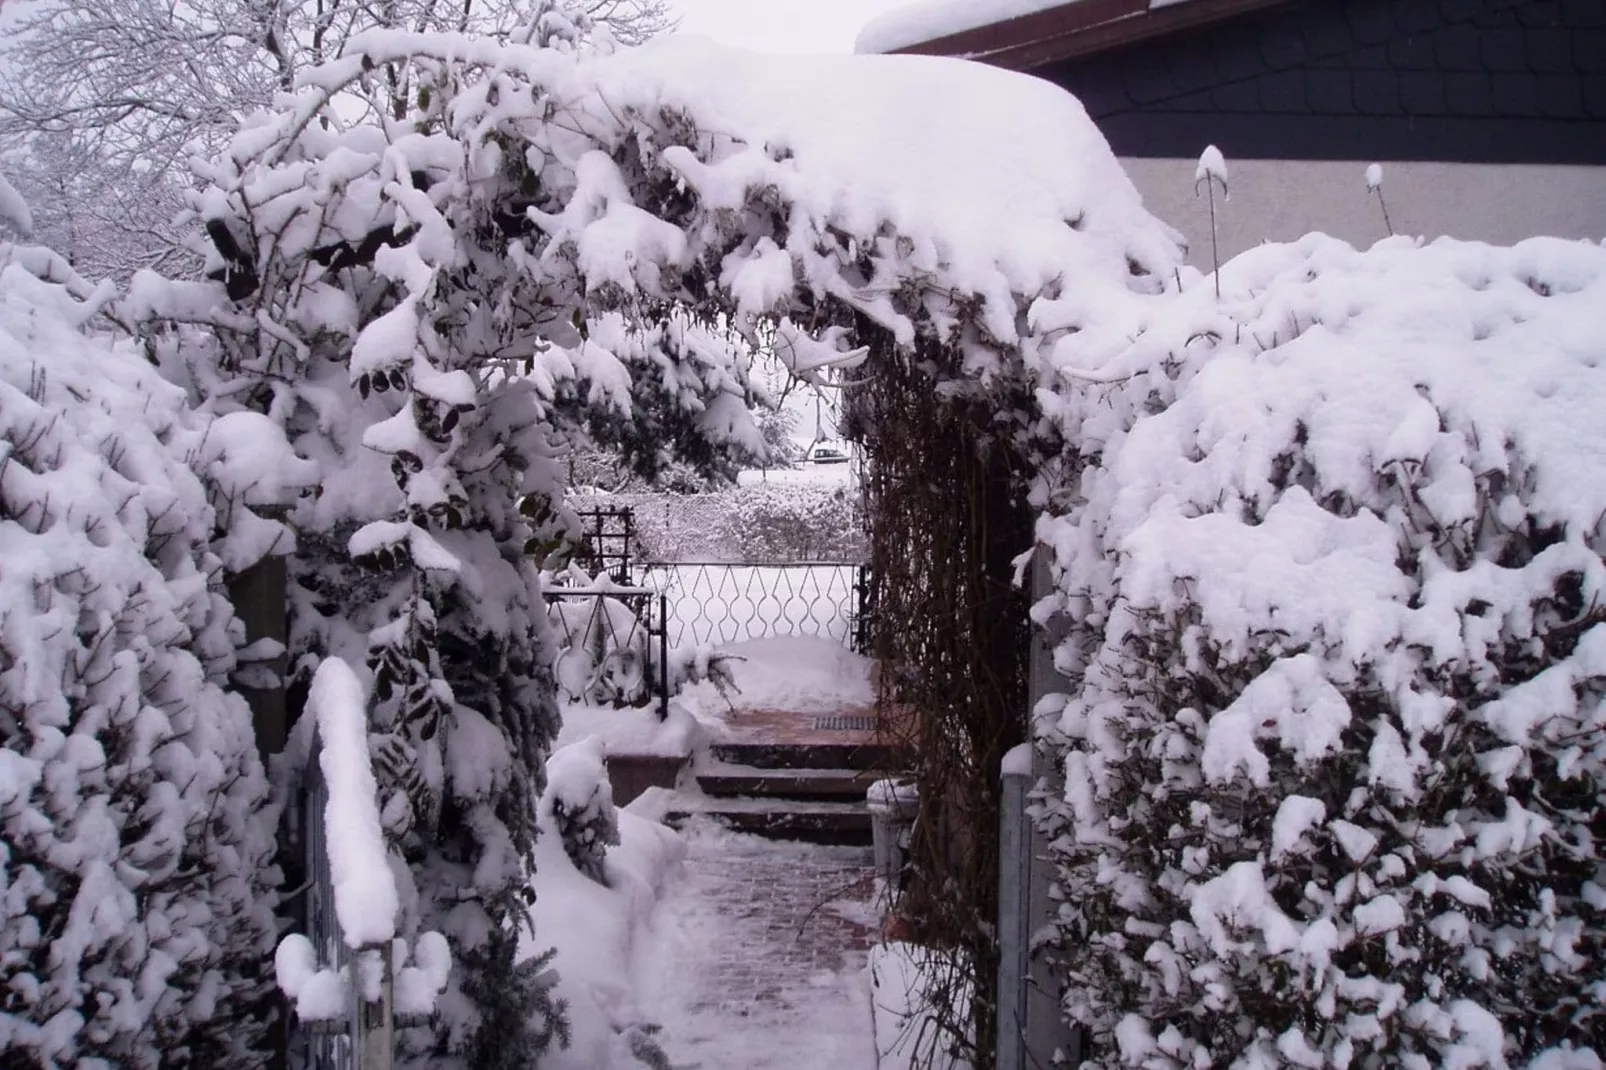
708	602
607	541
324	1049
613	645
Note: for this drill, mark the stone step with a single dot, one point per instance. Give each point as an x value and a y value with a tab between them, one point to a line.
844	785
843	823
861	757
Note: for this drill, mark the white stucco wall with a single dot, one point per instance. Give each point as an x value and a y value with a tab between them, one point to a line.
1279	200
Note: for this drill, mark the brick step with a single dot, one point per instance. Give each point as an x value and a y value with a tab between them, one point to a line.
843	823
843	785
860	757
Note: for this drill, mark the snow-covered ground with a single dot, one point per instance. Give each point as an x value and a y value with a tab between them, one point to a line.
598	933
799	674
742	959
815	474
793	673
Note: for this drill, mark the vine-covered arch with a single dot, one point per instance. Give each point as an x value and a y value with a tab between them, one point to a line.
552	243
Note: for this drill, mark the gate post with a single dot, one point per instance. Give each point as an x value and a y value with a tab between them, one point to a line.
258	595
375	1033
1031	1027
1014	929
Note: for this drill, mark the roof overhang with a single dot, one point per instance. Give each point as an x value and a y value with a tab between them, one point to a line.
1080	28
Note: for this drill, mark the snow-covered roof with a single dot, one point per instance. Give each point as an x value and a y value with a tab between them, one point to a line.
1022	33
929	20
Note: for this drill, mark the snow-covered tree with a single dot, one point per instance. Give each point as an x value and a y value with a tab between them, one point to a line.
137	883
1330	554
102	101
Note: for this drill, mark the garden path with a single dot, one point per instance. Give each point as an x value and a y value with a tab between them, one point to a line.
757	956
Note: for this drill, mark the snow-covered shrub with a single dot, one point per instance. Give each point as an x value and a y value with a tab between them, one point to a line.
579	800
1330	556
753	522
694	663
136	851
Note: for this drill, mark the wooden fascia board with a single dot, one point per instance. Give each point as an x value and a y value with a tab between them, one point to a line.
1080	28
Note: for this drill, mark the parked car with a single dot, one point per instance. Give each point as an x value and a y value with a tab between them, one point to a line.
828	453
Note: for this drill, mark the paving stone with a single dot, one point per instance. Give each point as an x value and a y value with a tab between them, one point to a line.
769	972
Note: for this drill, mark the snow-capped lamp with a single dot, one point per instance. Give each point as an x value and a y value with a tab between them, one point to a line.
385	984
1211	170
1374	186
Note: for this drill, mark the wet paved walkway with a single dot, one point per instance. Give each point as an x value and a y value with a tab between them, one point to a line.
760	951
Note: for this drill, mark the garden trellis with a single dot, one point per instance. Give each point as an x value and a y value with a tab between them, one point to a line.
536	252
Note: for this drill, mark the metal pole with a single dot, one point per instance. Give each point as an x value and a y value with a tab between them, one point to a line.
376	1028
1014	926
1046	1029
663	657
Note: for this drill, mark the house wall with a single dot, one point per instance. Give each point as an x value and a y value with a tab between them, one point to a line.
1280	200
1499	104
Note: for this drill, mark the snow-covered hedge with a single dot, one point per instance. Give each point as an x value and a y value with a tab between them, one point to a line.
1330	553
759	522
136	850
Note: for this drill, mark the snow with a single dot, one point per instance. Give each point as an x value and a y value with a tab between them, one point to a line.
320	994
1296	815
598	932
366	901
246	455
813	1014
1212	166
795	673
995	213
1374	177
634	730
418	983
933	19
901	976
1315	500
1017	761
13	209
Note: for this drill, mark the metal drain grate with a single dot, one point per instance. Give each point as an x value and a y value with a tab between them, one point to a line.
845	724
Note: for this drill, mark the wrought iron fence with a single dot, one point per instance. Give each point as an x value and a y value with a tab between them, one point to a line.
607	540
709	602
324	1049
613	645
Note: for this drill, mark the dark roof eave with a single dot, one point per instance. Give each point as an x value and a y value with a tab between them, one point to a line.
1079	28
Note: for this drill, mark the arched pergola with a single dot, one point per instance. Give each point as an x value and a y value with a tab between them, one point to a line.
432	303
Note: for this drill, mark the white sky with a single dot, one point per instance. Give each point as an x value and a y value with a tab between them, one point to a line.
791	26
